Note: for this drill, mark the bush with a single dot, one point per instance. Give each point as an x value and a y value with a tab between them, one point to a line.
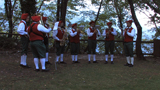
8	43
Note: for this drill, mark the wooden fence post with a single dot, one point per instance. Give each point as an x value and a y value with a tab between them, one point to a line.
156	52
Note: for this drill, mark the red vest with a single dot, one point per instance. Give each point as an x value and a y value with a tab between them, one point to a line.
59	34
128	38
25	27
74	39
38	36
110	36
94	35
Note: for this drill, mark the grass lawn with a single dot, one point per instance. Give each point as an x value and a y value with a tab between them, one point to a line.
145	75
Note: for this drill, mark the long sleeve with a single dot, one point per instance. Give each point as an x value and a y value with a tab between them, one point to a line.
123	32
21	29
104	33
90	34
132	34
72	34
114	32
55	35
99	33
80	34
43	29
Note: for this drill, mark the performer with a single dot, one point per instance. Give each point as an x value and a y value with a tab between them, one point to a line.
92	35
58	35
46	39
109	41
24	39
37	33
75	43
129	34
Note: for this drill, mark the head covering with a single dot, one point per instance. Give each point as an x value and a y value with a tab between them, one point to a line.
56	26
36	18
74	25
44	18
24	16
130	21
91	22
60	23
109	23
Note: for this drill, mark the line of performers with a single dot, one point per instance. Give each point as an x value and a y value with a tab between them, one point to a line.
37	34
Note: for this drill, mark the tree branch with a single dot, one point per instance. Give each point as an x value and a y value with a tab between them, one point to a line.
40	6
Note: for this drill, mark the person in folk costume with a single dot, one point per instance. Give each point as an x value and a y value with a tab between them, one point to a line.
75	42
58	35
37	33
109	41
22	30
46	39
92	42
129	34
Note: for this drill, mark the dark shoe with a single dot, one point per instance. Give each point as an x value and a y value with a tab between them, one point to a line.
130	65
45	70
21	65
48	63
126	64
89	62
73	62
77	62
36	70
26	66
106	62
112	62
63	62
95	62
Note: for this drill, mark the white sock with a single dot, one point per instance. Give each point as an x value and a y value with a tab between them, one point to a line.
46	57
57	59
94	57
132	60
128	60
43	63
25	60
22	60
112	57
36	62
89	57
76	57
61	57
106	56
72	57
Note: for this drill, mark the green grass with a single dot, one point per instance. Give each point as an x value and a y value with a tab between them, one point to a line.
145	75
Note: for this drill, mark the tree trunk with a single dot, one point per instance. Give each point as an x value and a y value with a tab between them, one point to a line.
139	30
61	10
64	10
58	10
98	11
28	6
9	14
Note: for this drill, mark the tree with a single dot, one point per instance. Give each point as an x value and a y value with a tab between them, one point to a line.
61	10
28	6
9	13
139	30
153	5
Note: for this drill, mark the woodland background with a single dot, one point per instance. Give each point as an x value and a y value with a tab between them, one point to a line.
117	11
